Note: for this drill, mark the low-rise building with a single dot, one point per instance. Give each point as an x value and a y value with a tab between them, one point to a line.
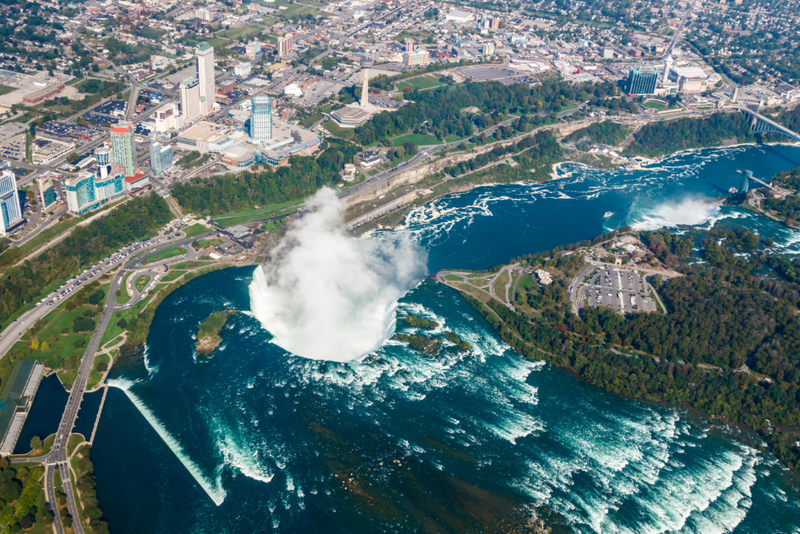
206	137
15	402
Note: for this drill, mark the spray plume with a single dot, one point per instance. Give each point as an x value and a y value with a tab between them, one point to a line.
325	295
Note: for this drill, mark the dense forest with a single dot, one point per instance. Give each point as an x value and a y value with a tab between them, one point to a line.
606	132
791	119
787	208
533	154
439	111
729	347
659	138
132	221
221	194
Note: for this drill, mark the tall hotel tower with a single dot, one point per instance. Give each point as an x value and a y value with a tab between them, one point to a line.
205	77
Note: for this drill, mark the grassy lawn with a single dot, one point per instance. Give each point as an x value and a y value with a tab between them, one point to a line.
655	105
124	297
309	121
454	278
421	82
240	33
114	329
142	282
334	128
527	282
293	9
417	139
189	265
4	89
195	229
164	254
94	375
203	243
57	333
272	225
74	441
174	275
254	214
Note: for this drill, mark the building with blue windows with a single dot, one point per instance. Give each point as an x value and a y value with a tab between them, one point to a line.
87	192
261	119
160	158
642	81
10	208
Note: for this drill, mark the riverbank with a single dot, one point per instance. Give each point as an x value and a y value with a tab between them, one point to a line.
442	186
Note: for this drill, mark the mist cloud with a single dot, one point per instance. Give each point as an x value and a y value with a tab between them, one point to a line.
325	295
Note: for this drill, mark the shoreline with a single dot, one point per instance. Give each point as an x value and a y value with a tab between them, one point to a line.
376	224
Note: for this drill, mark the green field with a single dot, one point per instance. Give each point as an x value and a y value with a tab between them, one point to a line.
240	33
252	214
4	89
336	130
655	105
164	254
293	9
142	282
417	139
94	375
123	297
308	122
421	82
174	275
195	229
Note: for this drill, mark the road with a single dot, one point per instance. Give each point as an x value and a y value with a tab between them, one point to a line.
679	29
59	453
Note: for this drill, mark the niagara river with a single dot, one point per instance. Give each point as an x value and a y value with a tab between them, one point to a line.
256	439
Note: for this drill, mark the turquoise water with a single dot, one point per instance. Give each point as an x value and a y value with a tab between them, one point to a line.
257	440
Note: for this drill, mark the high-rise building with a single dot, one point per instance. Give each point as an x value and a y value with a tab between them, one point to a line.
416	58
86	191
642	81
205	15
261	119
409	45
102	156
205	77
46	190
488	48
285	45
365	89
253	48
160	158
190	100
123	153
10	208
495	23
165	118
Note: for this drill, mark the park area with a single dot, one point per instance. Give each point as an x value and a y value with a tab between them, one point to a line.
420	82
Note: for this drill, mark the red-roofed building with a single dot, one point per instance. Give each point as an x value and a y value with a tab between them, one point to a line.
136	182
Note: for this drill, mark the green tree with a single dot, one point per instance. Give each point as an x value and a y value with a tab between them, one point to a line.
36	443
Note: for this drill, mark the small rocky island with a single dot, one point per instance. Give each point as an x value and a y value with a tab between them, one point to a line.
429	344
208	338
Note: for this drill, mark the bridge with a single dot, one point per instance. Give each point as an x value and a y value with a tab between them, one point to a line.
747	176
762	124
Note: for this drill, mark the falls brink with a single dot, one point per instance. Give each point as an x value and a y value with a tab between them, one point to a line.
325	295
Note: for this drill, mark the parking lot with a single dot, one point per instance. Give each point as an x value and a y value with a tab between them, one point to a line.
67	130
619	288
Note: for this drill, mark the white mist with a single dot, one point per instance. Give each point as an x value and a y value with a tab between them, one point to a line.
325	295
